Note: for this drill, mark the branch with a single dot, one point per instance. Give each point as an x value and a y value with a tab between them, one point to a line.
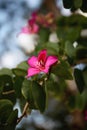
24	112
8	92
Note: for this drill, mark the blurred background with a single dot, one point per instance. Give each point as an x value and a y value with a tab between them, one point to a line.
13	16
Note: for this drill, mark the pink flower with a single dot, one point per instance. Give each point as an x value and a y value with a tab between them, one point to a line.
42	63
30	29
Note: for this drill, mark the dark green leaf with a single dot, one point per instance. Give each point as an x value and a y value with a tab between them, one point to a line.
18	85
79	102
52	48
39	95
77	3
69	49
85	76
84	97
79	79
62	70
68	33
84	6
13	118
27	92
6	107
71	102
19	72
44	35
81	53
6	87
76	102
67	3
6	82
56	86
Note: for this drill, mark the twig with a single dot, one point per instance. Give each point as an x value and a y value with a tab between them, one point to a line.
24	112
8	92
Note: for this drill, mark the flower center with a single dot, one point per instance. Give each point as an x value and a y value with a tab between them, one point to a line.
41	65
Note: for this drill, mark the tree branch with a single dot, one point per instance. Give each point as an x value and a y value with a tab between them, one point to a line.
8	92
24	112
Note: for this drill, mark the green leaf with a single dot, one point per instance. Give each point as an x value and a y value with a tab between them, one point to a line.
81	53
69	49
76	102
18	85
68	33
39	95
52	48
6	107
6	82
77	3
71	102
6	71
44	35
85	76
67	3
27	92
62	70
6	87
79	79
23	65
79	102
19	72
84	96
84	6
13	118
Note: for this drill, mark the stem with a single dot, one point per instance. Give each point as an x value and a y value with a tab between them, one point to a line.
24	112
8	92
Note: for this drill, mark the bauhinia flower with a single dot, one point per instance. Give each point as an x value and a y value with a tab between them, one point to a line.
42	63
31	28
28	37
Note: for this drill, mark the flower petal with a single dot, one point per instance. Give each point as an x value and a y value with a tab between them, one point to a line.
46	70
25	30
51	60
32	72
42	55
32	61
35	28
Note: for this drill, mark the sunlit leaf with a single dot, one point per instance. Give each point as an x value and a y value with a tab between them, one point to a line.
6	71
19	72
23	65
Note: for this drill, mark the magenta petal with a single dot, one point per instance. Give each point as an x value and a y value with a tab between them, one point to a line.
25	29
51	60
46	70
42	55
31	22
35	28
32	61
32	72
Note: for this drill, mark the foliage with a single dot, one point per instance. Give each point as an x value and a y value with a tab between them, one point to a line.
35	90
